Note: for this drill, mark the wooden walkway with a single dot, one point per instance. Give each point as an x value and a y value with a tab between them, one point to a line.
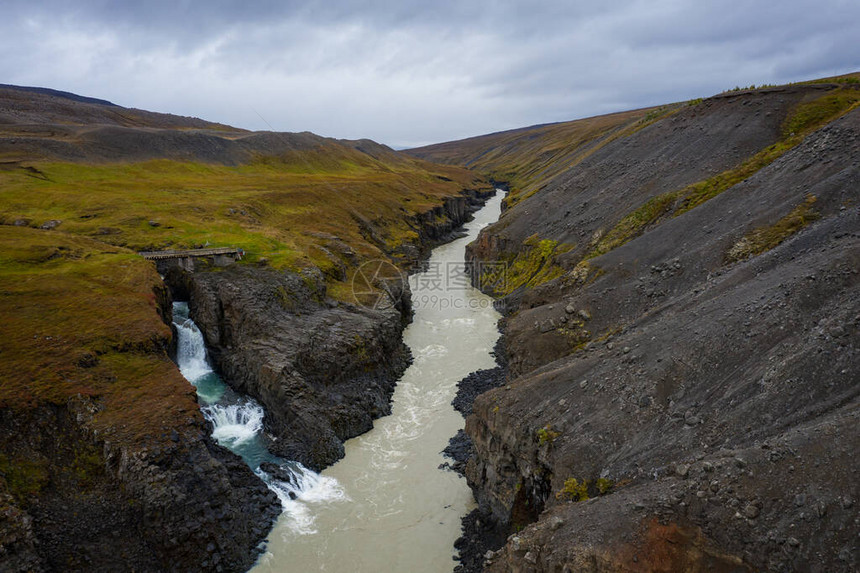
161	255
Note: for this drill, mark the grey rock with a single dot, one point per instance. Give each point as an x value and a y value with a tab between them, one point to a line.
530	557
751	511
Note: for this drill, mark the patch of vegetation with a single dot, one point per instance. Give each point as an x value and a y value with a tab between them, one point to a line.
547	435
811	115
533	265
751	87
633	224
766	238
805	118
24	477
88	466
846	79
657	113
604	485
573	490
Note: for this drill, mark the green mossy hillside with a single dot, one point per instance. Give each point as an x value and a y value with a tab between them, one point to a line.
81	322
278	210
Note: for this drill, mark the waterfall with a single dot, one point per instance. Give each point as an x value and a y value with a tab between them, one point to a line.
237	424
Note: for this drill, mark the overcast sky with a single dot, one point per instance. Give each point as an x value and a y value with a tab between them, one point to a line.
411	72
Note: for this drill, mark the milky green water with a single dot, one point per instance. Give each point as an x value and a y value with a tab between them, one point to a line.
386	507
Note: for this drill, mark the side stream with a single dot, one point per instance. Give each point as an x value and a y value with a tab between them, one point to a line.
237	425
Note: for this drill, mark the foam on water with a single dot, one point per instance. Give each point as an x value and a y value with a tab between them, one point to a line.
298	499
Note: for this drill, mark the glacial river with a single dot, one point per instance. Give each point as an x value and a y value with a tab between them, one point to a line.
386	507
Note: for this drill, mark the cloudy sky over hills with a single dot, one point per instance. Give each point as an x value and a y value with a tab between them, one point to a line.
413	72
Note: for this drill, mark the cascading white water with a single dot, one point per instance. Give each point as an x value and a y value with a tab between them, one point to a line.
191	351
237	424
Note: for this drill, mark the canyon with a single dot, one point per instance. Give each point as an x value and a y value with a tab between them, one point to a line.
677	377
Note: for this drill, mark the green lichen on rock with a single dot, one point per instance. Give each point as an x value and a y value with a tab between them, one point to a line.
24	477
573	490
533	265
604	485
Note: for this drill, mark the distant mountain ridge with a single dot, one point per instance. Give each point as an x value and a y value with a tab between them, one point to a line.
59	93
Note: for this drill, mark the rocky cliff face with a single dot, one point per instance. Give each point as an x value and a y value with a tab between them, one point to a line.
88	483
684	397
187	504
322	370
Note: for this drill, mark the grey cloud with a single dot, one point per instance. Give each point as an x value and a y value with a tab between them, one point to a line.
415	72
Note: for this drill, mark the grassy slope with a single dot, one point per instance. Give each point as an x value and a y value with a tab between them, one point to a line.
268	208
80	318
79	306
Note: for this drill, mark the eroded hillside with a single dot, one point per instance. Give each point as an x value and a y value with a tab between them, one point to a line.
682	334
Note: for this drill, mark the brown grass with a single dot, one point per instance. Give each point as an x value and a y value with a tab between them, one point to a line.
79	318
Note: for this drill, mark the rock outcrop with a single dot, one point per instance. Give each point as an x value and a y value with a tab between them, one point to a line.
187	504
684	398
